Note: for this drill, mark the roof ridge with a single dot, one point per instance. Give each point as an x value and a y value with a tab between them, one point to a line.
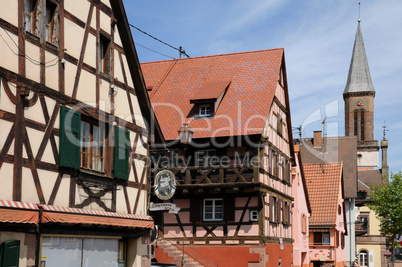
217	55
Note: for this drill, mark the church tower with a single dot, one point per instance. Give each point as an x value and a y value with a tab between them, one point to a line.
359	96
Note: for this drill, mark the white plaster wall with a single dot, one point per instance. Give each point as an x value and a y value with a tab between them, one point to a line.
9	11
5	102
368	159
69	78
5	127
76	33
87	88
33	63
52	71
105	22
6	174
47	180
9	60
79	8
90	53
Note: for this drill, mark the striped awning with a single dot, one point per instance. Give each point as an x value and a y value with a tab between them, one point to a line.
64	215
18	212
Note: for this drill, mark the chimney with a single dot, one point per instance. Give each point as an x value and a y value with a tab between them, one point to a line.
317	140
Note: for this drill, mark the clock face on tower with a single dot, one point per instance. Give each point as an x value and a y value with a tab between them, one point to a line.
359	104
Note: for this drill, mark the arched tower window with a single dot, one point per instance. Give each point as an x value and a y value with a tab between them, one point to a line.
362	124
359	121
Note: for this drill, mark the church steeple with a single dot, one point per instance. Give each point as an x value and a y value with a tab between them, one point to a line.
359	79
359	96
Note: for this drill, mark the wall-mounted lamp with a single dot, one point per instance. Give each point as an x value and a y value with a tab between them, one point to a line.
113	90
185	134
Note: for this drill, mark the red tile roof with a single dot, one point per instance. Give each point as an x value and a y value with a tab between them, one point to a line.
253	78
323	182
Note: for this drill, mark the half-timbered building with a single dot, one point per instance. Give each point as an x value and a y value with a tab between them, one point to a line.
232	178
73	141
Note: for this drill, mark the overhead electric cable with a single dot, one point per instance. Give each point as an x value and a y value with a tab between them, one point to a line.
181	51
153	50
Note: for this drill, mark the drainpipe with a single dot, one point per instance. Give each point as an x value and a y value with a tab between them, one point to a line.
37	244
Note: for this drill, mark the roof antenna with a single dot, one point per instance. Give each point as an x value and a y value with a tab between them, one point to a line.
359	14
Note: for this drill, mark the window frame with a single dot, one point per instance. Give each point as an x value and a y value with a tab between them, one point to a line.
253	215
31	14
104	54
365	260
91	154
202	110
50	22
214	211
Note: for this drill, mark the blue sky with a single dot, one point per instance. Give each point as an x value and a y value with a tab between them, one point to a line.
318	38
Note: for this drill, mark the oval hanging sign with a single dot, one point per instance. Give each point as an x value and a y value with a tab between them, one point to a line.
165	184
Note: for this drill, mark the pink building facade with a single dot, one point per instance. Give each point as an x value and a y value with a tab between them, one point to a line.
327	225
301	213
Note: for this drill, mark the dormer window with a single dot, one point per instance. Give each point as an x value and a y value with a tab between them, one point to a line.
205	110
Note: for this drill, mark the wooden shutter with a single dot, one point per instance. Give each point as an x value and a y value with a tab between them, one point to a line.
121	153
70	138
10	254
195	210
229	209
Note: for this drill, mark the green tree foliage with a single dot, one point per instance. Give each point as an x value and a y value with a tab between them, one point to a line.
387	204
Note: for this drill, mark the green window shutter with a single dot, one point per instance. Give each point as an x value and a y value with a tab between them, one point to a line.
70	135
121	153
10	254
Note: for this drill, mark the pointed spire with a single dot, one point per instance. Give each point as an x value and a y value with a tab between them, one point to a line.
359	79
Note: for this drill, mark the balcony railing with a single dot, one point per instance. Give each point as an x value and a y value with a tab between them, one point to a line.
361	228
214	174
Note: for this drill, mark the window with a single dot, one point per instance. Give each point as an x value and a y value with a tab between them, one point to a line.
213	209
30	15
342	240
286	170
50	22
362	125
48	19
274	209
83	142
92	146
363	258
321	238
253	215
279	124
205	110
286	212
104	57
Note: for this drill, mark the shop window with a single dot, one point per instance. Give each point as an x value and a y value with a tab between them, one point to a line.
78	251
104	57
10	253
213	210
205	110
31	7
82	144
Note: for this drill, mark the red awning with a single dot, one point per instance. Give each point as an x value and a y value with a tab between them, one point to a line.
18	212
54	214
